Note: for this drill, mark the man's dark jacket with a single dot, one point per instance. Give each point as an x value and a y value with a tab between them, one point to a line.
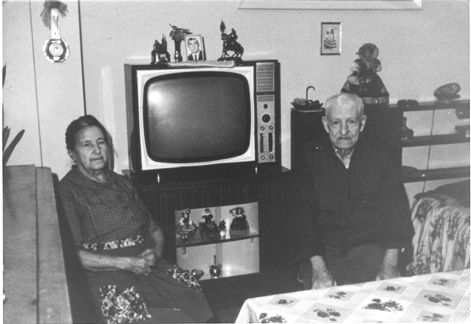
340	207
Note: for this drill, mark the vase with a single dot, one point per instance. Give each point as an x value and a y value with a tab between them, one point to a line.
177	56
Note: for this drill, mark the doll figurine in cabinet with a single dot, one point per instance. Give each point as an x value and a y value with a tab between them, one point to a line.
208	228
186	228
239	225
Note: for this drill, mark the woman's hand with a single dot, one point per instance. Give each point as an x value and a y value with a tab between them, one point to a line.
151	256
388	272
389	269
138	265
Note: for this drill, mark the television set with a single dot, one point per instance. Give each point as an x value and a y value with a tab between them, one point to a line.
203	121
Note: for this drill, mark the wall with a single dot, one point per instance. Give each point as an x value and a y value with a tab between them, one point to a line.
419	49
39	96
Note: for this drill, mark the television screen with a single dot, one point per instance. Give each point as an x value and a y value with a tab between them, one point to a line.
197	117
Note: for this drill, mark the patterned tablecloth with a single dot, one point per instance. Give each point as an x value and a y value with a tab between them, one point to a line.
438	297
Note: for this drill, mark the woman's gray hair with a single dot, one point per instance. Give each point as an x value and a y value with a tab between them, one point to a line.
77	125
342	99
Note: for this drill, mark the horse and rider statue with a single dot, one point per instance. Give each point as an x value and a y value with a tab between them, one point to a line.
231	48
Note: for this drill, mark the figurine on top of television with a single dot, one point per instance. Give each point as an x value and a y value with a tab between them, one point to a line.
186	227
239	225
159	52
208	228
364	80
231	48
178	35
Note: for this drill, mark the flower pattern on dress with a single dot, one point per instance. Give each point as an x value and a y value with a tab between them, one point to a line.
111	245
190	278
122	307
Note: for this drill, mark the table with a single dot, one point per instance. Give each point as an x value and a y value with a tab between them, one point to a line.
441	297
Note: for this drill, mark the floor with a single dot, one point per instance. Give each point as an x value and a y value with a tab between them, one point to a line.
227	295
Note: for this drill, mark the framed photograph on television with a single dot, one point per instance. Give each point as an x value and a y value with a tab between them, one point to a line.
194	46
331	38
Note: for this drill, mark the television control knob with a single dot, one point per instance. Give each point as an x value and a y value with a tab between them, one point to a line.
262	157
262	128
271	157
265	106
266	118
270	127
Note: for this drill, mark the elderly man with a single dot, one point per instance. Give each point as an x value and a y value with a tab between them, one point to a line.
352	212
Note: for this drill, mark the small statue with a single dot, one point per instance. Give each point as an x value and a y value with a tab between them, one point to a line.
159	53
215	268
208	229
178	34
230	44
364	80
239	225
186	227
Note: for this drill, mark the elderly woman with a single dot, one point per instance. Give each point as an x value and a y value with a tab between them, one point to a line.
118	243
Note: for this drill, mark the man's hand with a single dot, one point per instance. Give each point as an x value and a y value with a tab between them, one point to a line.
389	269
322	279
321	276
388	272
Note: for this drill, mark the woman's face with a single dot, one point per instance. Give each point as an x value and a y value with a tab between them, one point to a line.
91	150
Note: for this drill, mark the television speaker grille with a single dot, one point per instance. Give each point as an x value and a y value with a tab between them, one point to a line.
265	74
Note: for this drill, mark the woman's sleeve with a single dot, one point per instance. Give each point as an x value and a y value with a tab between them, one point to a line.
128	186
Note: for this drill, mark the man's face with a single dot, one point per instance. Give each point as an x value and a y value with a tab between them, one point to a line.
344	123
193	45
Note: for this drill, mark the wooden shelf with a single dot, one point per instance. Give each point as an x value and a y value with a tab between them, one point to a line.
435	140
435	105
203	241
435	174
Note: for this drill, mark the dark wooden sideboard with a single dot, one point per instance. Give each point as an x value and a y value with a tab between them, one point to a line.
271	192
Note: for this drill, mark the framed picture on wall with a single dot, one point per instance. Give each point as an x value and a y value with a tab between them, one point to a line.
331	38
194	46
